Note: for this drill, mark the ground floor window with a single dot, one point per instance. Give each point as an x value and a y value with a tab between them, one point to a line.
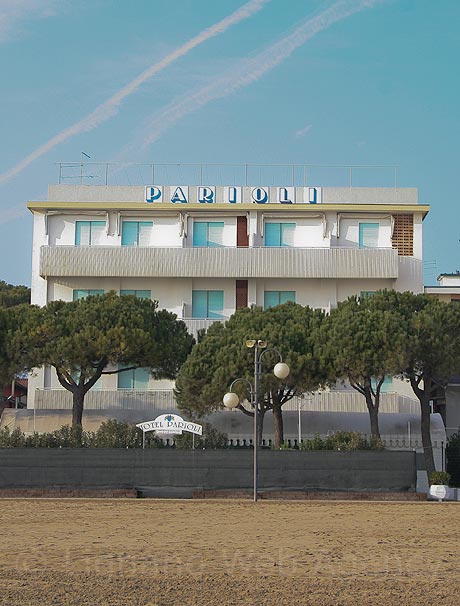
135	378
277	297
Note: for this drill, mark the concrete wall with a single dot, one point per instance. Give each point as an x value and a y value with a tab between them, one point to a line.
167	470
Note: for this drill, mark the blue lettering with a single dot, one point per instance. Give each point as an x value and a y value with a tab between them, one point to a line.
152	194
284	196
312	195
205	194
232	195
179	196
259	195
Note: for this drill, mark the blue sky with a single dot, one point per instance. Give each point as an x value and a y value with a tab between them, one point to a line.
284	81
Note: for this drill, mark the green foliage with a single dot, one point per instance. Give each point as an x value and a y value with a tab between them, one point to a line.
222	356
440	477
343	441
111	434
212	439
11	295
81	339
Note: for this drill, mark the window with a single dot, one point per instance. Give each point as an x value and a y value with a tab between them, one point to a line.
135	378
277	297
89	233
207	303
208	233
136	233
368	235
279	234
76	378
366	293
387	384
140	294
82	293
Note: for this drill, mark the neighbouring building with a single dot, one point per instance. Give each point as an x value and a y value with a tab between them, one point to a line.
204	251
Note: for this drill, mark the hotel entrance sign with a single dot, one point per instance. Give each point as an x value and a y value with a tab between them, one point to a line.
170	425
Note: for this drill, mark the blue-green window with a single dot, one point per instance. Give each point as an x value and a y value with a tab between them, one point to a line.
89	233
140	294
83	293
279	234
207	303
387	384
76	378
208	233
368	235
135	378
366	293
136	233
277	297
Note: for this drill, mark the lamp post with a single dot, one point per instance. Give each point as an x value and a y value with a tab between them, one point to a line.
231	400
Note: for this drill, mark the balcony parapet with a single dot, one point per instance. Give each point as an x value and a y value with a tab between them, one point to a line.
155	262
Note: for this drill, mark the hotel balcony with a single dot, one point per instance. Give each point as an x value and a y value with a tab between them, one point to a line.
152	262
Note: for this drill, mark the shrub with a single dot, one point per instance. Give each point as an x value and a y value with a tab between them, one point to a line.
342	440
212	439
440	477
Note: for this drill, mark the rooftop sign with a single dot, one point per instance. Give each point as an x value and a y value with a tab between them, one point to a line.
231	194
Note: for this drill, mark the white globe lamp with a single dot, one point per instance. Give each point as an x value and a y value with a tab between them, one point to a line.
231	400
281	370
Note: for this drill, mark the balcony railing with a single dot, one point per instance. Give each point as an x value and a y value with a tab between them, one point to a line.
125	261
327	401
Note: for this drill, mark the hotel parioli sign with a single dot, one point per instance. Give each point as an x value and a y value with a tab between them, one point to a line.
170	425
231	194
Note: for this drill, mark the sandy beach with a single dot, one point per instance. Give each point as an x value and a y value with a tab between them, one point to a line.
158	552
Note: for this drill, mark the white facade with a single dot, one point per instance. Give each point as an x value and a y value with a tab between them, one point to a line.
195	258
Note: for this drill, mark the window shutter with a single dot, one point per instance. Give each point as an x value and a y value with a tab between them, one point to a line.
145	233
287	295
141	378
200	233
271	298
287	231
199	303
129	233
241	293
97	233
272	234
368	235
215	303
82	233
242	238
215	234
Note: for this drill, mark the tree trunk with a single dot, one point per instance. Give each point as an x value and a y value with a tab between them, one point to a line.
426	435
373	409
78	397
278	426
260	424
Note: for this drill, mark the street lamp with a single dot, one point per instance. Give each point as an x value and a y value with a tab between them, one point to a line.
231	399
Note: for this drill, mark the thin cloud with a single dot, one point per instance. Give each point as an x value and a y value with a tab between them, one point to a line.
303	131
251	70
110	108
14	12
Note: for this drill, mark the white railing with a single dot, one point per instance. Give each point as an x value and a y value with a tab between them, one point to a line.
100	399
351	401
326	401
231	262
196	324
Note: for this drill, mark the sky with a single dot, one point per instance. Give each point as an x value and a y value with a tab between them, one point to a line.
316	82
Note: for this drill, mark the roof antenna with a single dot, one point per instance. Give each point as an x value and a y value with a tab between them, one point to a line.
81	166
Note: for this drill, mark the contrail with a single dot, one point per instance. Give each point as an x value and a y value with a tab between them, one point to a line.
110	107
253	69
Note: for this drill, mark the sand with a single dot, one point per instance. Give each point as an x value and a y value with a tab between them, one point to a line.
162	552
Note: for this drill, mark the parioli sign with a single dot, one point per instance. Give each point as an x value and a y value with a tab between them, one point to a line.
231	194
